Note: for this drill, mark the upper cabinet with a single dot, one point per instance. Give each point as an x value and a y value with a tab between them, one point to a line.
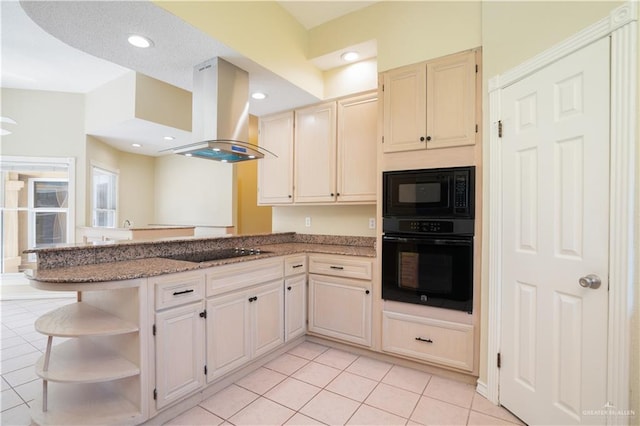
356	156
431	105
326	153
315	153
275	174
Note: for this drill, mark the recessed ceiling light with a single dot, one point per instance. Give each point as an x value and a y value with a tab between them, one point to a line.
140	41
223	161
350	56
258	95
216	149
188	155
168	138
136	145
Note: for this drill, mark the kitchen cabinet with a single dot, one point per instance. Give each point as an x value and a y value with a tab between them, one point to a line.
245	315
315	153
295	296
437	341
80	370
340	298
431	105
179	335
275	174
356	149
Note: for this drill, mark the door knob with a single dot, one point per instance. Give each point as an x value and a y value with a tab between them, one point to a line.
590	281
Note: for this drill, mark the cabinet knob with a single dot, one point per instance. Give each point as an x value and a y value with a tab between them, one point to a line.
428	138
332	194
290	196
289	288
367	292
338	194
421	138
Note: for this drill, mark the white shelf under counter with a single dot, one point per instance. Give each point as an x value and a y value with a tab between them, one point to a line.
83	361
81	319
86	404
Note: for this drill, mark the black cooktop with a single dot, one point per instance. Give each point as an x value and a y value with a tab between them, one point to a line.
208	256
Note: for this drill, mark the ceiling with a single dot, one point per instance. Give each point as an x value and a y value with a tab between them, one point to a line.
77	46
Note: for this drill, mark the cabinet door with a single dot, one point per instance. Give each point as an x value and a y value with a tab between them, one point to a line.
404	108
179	352
275	174
315	154
267	308
451	101
340	308
357	135
228	344
295	302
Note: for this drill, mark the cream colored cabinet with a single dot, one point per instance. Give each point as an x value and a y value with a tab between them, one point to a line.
295	296
356	152
442	342
245	313
431	105
339	305
315	154
179	333
179	352
100	360
275	174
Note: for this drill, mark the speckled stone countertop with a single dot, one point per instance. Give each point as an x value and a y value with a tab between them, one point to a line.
77	264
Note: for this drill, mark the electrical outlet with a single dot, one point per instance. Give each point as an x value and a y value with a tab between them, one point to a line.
307	222
372	223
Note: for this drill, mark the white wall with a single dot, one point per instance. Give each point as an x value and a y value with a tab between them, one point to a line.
193	191
325	220
50	124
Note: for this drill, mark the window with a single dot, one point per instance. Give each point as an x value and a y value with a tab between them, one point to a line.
105	190
49	209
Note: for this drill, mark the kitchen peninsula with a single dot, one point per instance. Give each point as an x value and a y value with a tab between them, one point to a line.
151	334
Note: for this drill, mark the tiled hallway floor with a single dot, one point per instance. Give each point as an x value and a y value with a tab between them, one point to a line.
311	384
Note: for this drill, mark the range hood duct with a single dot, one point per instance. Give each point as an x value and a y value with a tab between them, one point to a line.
220	123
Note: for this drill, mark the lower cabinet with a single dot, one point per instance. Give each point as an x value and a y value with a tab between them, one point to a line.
340	307
179	352
295	296
437	341
179	334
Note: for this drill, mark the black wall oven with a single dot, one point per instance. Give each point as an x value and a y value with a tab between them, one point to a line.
427	246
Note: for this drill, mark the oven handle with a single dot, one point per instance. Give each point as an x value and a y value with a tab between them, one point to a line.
436	241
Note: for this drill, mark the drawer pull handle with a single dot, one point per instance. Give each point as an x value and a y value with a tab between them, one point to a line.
420	339
297	266
253	299
175	293
340	268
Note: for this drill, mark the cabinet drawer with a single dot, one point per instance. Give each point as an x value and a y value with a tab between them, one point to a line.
340	266
294	265
221	279
437	341
178	289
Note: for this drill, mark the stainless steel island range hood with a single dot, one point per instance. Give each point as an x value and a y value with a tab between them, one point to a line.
220	122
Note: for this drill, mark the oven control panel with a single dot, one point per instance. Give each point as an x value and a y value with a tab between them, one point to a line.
428	226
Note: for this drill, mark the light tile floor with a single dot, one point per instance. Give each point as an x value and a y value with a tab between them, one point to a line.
311	384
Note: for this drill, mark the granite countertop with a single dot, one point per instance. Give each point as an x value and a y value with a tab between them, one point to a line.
148	267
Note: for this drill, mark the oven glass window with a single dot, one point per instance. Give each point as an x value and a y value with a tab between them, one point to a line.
428	271
421	192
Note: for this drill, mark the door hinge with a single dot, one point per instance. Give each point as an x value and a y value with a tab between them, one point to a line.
203	314
476	128
499	360
205	370
499	128
155	394
383	87
383	139
154	329
476	67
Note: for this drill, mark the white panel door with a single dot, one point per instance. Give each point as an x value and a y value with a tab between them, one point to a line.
295	303
275	174
267	327
555	181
